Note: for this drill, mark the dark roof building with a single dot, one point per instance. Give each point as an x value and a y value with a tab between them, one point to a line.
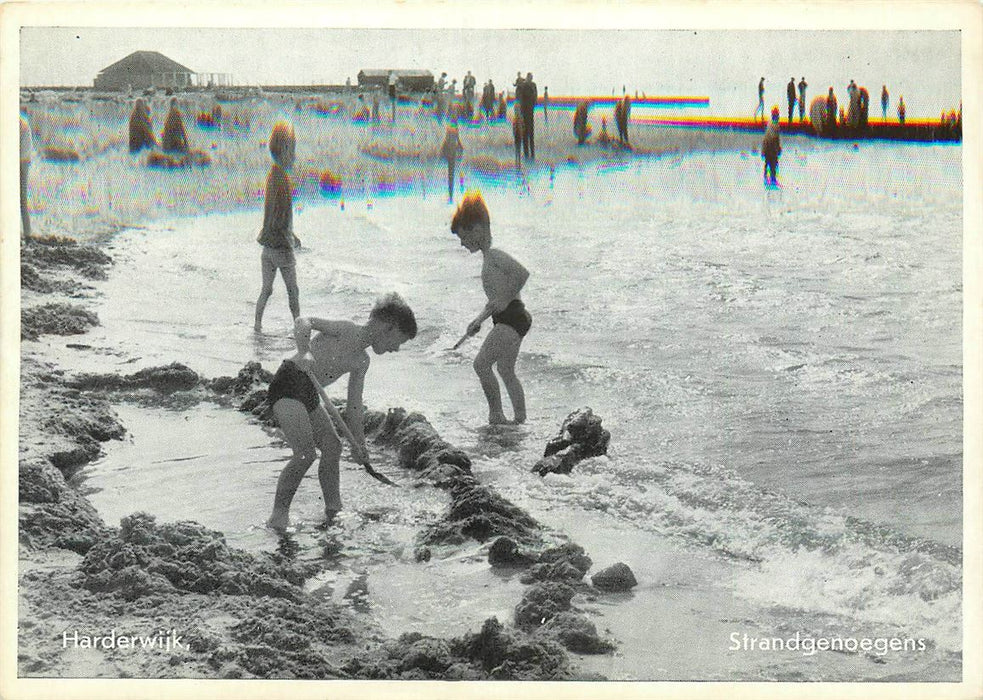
144	69
411	80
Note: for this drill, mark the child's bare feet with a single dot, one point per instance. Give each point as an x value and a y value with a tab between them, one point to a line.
498	419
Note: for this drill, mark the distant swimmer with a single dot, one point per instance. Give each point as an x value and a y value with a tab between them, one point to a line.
901	110
761	99
311	424
802	98
771	148
885	102
527	95
451	151
831	113
790	92
518	134
502	278
277	236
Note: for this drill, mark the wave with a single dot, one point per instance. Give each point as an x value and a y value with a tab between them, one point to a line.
788	553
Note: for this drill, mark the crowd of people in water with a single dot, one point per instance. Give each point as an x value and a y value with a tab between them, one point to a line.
826	113
828	118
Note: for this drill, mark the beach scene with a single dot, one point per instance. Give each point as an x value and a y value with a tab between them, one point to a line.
728	443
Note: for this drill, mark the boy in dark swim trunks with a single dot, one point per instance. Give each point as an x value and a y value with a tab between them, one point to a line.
502	278
339	348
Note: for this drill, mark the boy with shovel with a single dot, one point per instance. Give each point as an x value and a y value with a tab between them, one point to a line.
305	414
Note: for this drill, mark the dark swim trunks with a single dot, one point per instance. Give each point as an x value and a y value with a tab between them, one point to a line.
290	382
515	315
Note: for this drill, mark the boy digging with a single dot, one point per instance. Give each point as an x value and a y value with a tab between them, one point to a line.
340	347
502	278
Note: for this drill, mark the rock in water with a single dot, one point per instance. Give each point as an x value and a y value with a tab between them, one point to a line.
614	578
581	436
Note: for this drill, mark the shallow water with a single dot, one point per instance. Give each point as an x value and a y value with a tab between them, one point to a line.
781	373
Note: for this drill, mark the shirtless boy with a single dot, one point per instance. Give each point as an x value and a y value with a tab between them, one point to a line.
339	348
502	278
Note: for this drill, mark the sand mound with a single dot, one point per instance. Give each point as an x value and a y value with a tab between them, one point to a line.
65	252
166	379
147	558
55	319
494	653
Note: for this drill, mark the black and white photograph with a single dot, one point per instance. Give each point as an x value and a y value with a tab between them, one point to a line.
346	345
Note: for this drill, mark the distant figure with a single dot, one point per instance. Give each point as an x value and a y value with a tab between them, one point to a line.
174	138
864	108
885	102
546	103
518	81
141	131
488	99
761	99
310	424
602	136
771	148
901	110
468	87
817	115
802	98
502	105
393	84
502	278
790	90
26	150
831	111
622	112
518	133
277	236
451	150
375	106
581	129
853	112
528	95
440	97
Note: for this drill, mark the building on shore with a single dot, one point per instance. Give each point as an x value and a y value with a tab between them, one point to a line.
151	69
409	80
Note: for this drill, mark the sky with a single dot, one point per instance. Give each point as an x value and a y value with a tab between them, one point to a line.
724	65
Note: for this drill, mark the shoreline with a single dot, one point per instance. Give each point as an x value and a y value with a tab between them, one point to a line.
77	574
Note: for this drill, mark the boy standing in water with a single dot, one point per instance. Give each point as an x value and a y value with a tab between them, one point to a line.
339	348
277	236
502	278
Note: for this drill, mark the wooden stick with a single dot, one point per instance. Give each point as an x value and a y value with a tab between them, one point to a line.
336	415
